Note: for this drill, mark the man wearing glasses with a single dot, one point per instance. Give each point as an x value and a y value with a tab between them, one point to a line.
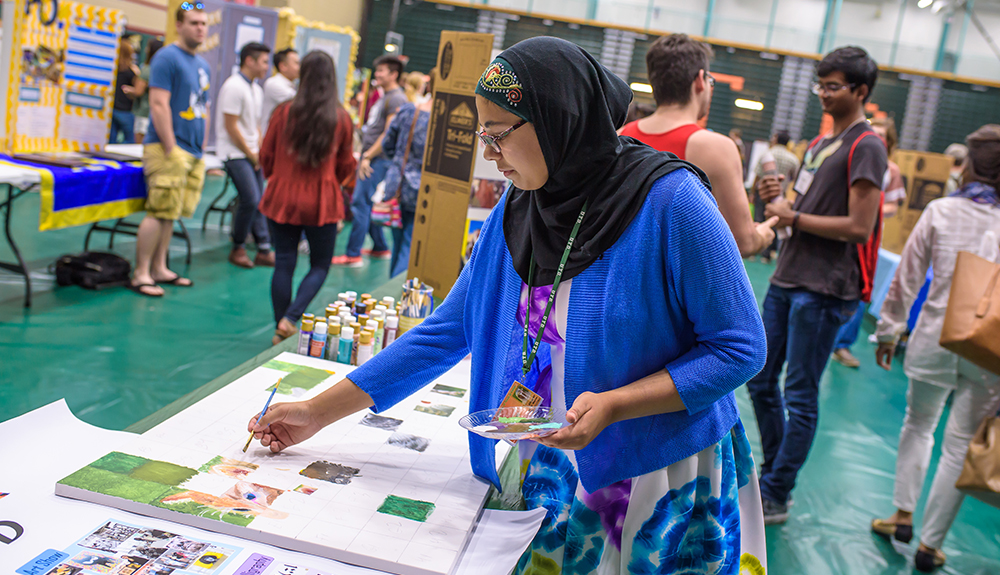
171	157
824	269
678	72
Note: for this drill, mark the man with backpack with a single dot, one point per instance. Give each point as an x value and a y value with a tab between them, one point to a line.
824	269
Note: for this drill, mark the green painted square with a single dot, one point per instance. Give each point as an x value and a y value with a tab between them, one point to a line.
117	462
299	376
195	508
406	508
163	473
115	485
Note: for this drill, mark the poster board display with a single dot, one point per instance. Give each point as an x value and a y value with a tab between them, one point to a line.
924	176
439	227
60	74
393	491
340	42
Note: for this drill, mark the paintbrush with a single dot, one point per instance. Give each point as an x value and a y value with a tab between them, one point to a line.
262	412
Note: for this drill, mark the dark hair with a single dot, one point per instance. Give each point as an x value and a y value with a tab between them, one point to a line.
782	138
394	64
152	48
983	161
314	111
857	66
280	56
253	50
672	64
181	11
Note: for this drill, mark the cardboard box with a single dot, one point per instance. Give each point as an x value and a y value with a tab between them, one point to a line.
439	229
924	176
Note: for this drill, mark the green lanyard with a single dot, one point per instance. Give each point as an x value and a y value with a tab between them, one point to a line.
526	359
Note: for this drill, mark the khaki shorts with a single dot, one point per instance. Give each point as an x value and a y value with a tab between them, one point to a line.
173	181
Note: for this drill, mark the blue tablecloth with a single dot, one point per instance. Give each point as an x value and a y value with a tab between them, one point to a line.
101	190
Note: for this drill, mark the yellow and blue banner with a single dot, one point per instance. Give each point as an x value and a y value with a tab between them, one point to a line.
100	190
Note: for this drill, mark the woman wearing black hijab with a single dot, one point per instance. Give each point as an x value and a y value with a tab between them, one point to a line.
608	283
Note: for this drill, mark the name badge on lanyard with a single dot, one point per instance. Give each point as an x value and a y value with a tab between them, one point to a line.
804	180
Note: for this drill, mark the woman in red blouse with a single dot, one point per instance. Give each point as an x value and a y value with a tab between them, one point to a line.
306	153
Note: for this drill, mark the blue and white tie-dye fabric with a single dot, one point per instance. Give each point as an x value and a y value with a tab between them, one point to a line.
699	516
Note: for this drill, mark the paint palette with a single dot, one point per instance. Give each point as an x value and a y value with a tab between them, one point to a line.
512	423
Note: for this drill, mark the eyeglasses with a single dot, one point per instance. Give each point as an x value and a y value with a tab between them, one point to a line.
831	88
189	6
494	141
710	79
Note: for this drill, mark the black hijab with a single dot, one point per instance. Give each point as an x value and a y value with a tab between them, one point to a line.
576	106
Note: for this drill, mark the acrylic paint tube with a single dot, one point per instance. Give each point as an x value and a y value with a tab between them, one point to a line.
364	347
318	343
333	340
356	332
345	345
305	334
391	324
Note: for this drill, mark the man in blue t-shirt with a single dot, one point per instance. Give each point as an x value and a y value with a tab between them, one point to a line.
171	158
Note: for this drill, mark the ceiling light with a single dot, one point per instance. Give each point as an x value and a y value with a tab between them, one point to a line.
749	104
640	87
924	3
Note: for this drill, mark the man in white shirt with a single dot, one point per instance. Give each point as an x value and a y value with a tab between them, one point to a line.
238	142
280	87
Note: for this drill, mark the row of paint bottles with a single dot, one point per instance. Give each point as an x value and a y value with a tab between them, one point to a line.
321	337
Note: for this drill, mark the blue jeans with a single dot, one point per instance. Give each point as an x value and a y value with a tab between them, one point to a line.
801	327
123	123
401	238
361	209
848	333
286	254
249	182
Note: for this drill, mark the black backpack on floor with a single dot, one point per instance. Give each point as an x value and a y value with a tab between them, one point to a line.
92	270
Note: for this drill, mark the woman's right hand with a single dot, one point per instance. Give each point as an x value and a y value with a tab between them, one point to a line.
284	425
884	355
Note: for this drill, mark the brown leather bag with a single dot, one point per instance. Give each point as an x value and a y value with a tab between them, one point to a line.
972	322
981	473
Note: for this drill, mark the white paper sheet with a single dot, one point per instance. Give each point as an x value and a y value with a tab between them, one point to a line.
49	443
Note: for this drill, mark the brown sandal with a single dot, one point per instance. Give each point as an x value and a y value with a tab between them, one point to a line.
898	531
281	335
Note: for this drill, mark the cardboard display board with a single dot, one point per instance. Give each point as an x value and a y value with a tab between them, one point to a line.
340	42
60	75
439	229
924	176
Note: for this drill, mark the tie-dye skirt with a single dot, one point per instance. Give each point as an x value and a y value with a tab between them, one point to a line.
698	516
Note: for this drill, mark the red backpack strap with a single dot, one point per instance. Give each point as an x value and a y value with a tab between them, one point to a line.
868	251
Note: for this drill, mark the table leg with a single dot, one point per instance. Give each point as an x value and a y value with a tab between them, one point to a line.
20	267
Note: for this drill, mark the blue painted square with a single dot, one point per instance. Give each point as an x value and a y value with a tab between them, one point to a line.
43	563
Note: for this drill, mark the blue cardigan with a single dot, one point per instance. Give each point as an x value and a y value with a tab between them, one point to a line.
671	293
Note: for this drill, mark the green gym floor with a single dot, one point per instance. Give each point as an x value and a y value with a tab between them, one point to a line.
117	357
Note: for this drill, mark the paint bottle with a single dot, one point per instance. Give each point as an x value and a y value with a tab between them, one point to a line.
379	317
318	343
389	302
356	333
360	307
333	340
363	319
365	297
305	334
391	325
352	296
390	312
345	344
330	312
370	305
365	347
372	326
342	296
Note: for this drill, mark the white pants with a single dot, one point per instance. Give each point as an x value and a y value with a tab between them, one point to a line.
976	397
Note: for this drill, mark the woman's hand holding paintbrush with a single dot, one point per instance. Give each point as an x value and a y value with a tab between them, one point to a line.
286	424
